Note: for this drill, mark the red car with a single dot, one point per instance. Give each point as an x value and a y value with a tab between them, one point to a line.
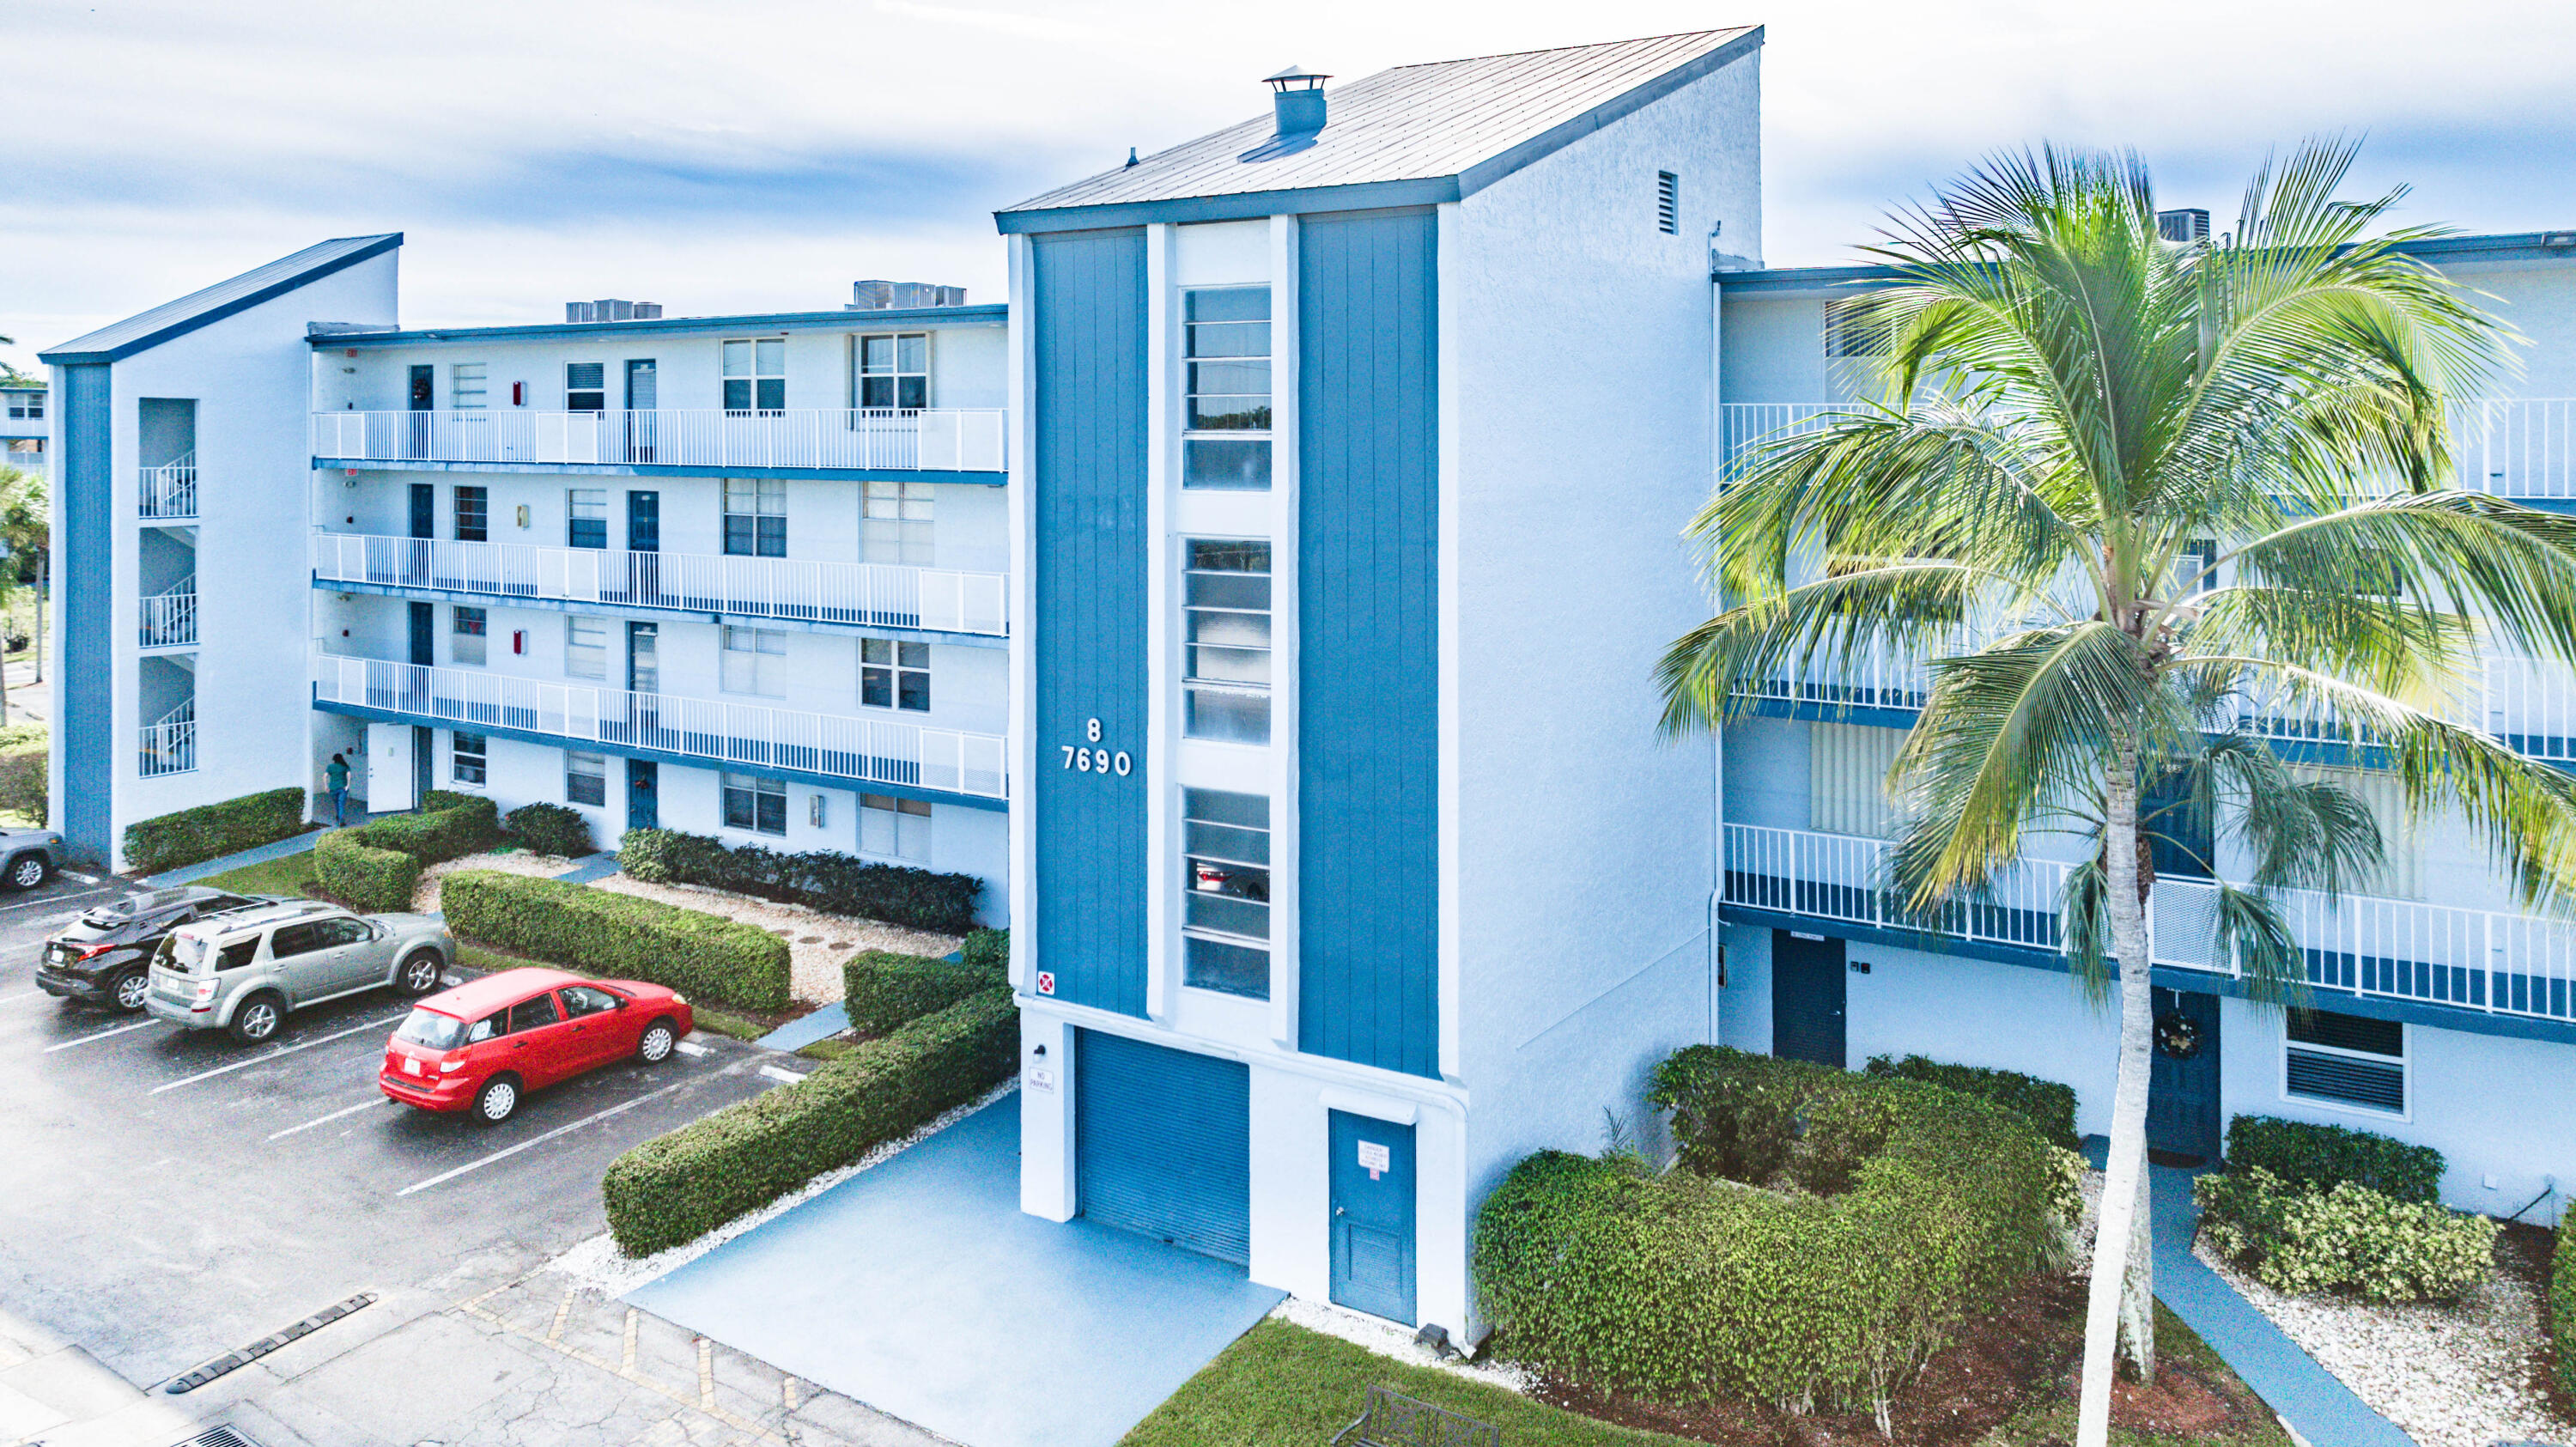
486	1043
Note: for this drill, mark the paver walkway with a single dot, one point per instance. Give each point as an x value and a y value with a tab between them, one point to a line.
920	1289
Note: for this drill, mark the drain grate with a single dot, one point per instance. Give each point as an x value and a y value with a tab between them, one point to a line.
217	1437
244	1356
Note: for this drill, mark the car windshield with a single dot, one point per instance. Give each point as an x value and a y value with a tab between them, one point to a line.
430	1028
181	952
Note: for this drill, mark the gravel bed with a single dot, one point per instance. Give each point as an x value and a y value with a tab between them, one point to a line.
424	896
2448	1376
1396	1343
818	944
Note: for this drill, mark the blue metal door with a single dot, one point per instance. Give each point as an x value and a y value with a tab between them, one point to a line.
1372	1183
424	509
643	785
424	634
2182	1083
1807	997
1163	1144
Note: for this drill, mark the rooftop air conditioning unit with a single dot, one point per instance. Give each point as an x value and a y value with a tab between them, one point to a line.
2185	224
611	309
871	296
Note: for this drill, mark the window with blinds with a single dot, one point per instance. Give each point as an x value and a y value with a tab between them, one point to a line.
2349	1060
2401	872
1847	768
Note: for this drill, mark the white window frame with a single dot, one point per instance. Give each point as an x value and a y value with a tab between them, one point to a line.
457	756
571	391
1188	392
758	786
585	661
896	523
894	658
767	497
909	821
1191	684
762	643
861	373
467	387
756	355
571	772
468	647
2403	1062
1847	779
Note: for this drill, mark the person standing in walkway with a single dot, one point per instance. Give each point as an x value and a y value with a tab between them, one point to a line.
335	777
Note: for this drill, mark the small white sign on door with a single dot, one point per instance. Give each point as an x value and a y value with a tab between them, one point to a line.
1041	1079
1373	1158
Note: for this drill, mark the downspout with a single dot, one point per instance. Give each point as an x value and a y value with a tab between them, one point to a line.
1717	731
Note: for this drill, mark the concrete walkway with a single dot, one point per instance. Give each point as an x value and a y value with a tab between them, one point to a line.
824	1023
590	868
919	1288
2317	1405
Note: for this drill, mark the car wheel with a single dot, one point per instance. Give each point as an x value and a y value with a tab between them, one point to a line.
29	870
258	1018
130	989
496	1101
420	973
656	1045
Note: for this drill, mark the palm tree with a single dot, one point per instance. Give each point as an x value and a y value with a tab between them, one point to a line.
2160	488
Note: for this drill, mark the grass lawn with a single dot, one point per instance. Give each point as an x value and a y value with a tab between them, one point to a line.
732	1025
1284	1386
292	876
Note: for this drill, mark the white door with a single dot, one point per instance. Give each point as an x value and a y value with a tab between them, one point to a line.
389	769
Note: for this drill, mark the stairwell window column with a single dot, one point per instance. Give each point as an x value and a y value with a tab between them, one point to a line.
1225	430
1225	916
1226	632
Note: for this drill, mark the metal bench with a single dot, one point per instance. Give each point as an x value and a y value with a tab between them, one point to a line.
1394	1420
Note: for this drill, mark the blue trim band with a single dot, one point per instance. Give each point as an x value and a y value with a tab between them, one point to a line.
626	469
1241	205
660	615
239	304
2439	251
2443	1017
662	756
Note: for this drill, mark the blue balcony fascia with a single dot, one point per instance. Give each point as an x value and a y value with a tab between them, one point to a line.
648	469
2465	1019
662	756
662	615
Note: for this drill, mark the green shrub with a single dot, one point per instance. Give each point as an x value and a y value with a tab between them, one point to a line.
2046	1104
2562	1306
1919	1205
552	829
677	1187
883	990
207	831
377	865
23	785
620	936
989	950
2346	1238
824	879
2319	1157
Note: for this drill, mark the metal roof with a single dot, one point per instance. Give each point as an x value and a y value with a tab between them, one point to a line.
845	319
223	299
2433	251
1469	121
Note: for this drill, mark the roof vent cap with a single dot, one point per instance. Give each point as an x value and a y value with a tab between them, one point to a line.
1297	94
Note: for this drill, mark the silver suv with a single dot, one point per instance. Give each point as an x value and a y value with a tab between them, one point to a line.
245	970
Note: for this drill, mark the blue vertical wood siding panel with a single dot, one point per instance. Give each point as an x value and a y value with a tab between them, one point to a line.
1089	558
85	567
1368	640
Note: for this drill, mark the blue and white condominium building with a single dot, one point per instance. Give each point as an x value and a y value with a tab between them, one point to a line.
738	575
2443	1014
23	429
1354	446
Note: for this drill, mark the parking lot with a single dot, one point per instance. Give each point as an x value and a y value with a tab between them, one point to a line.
168	1195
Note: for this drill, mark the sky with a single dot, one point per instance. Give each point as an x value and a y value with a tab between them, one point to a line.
740	157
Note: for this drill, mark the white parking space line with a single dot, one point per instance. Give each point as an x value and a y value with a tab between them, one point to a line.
335	1115
538	1140
774	1073
103	1034
56	900
689	1047
21	995
274	1054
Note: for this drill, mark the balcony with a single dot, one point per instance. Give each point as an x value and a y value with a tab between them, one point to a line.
859	594
889	440
170	743
2483	960
168	493
2523	449
169	617
722	734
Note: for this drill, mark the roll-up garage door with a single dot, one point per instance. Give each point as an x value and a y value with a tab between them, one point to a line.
1162	1144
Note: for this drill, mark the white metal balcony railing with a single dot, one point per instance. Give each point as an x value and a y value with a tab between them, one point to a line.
2520	448
170	743
944	439
868	594
169	617
2485	960
170	490
751	737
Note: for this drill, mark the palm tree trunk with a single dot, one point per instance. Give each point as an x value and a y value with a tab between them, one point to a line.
2124	1180
2138	1291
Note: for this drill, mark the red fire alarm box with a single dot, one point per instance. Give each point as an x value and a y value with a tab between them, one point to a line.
519	640
518	394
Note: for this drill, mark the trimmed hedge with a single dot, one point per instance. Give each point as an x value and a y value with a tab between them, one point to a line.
377	865
620	936
677	1187
1914	1206
989	950
824	879
2047	1105
207	831
2321	1157
552	829
2345	1238
881	989
2562	1305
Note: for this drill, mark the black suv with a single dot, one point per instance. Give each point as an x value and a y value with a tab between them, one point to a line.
104	956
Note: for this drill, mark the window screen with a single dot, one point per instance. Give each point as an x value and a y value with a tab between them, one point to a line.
2346	1059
